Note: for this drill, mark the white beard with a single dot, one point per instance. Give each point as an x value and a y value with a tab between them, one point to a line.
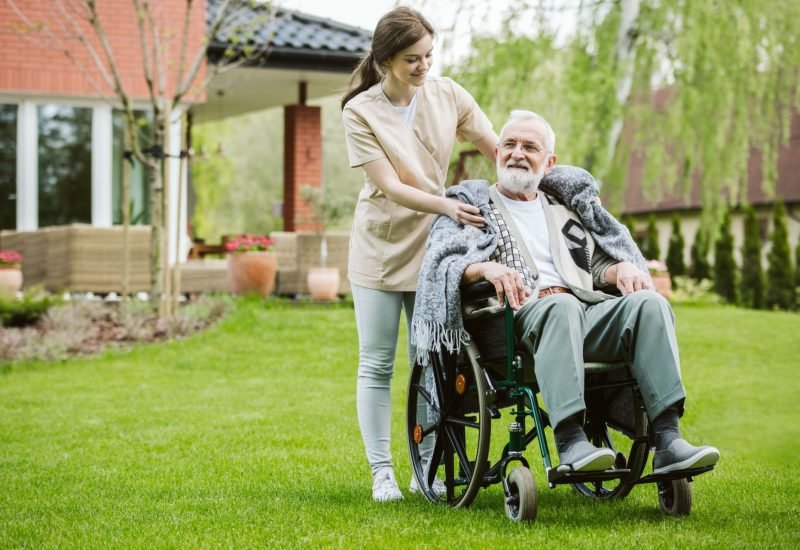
517	181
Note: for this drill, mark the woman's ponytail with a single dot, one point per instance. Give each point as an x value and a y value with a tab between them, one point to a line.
364	77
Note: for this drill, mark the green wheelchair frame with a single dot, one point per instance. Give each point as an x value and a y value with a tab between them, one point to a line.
461	394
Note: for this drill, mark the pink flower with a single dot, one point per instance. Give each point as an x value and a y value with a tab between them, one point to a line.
250	243
10	258
656	266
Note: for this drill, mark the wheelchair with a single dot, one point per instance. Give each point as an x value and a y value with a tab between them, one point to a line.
453	401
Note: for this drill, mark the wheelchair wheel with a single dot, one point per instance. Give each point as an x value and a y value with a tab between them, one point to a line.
628	454
675	497
448	428
522	504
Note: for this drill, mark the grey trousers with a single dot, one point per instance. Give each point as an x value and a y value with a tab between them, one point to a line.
561	333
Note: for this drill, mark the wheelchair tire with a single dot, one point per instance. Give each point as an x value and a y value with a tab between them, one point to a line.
632	457
459	423
523	502
675	497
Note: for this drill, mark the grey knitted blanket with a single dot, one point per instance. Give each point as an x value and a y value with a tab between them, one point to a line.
451	248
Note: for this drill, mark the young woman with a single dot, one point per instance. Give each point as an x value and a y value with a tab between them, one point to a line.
400	125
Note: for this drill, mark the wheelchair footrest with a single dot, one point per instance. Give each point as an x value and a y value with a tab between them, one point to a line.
678	474
557	476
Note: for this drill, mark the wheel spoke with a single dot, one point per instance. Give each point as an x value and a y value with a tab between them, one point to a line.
460	450
428	398
462	422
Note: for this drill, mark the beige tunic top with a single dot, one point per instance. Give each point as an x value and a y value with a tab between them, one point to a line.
388	240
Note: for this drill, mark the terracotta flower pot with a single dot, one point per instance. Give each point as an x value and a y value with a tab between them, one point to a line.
252	272
323	283
10	279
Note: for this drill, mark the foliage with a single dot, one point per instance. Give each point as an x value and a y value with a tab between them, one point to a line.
725	269
249	243
710	81
700	268
753	283
26	310
650	247
204	442
326	208
686	290
10	258
675	263
780	275
81	327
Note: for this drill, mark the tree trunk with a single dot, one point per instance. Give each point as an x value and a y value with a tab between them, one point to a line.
625	57
126	212
156	228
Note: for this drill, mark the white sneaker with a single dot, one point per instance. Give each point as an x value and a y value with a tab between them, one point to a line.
384	486
439	488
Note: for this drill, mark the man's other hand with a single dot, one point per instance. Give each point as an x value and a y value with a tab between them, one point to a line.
628	278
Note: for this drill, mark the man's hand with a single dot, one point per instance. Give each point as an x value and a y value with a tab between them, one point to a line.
506	281
628	278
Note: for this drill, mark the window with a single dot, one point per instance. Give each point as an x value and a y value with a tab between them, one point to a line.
8	166
140	191
65	164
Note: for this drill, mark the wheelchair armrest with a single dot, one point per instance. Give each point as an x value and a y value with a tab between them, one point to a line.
476	291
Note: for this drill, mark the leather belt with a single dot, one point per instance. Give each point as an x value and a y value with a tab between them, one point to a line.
554	290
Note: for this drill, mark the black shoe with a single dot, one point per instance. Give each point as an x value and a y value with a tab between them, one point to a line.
680	455
585	457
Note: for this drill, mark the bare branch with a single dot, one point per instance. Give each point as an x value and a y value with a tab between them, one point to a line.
148	73
156	38
80	36
187	21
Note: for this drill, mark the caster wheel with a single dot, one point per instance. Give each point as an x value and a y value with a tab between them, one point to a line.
521	503
675	497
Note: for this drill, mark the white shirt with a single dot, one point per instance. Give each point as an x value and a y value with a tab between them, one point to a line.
532	225
407	113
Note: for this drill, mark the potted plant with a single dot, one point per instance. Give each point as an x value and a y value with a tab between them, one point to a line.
251	264
661	278
323	281
10	271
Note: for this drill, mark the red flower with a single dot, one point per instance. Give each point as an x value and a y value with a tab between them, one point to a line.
10	258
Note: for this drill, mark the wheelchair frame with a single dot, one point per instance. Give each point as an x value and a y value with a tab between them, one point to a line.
462	387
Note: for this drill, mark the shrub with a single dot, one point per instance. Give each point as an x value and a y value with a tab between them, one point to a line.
26	310
725	269
689	291
780	275
700	268
675	263
752	286
650	247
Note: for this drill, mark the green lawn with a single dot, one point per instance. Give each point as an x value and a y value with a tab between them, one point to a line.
246	436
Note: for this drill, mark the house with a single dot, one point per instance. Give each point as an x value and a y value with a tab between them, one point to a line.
61	125
787	187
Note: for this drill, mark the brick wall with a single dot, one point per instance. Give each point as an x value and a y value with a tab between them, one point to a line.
302	164
33	63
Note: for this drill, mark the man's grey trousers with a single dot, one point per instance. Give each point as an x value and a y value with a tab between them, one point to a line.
561	333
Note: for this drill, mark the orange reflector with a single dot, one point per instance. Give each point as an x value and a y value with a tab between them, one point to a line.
417	434
461	384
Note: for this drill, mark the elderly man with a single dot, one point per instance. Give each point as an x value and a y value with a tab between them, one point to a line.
548	265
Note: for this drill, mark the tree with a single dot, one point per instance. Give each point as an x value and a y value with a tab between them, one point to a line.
725	269
780	275
675	263
173	67
643	78
752	286
650	247
700	268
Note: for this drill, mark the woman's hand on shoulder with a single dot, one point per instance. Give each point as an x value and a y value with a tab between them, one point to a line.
463	213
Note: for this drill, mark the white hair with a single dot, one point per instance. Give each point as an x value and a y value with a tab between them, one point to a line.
518	115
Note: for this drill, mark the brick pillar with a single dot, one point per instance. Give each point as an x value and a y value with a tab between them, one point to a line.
302	164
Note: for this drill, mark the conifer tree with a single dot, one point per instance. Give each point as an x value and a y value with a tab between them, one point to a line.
725	269
700	268
780	275
650	247
753	283
675	263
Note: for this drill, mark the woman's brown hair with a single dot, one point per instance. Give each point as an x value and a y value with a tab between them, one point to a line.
397	30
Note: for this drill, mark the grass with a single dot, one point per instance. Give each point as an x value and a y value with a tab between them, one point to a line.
246	436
